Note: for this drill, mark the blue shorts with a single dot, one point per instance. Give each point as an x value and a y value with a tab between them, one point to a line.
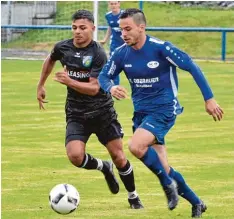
156	123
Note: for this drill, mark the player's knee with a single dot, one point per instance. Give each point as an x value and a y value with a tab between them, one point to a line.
119	159
75	157
136	149
75	152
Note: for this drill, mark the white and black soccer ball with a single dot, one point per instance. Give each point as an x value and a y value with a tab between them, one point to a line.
64	198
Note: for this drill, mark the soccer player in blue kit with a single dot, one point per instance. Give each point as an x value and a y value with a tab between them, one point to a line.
150	66
113	31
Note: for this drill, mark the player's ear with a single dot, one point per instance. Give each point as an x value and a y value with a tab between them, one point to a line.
142	27
93	28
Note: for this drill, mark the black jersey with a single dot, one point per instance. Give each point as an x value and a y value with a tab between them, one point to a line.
81	64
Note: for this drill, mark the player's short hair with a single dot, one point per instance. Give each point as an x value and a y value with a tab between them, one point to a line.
137	15
83	14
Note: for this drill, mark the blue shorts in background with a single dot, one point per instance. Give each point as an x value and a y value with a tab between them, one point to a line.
157	123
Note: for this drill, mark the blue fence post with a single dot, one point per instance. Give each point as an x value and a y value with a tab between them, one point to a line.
141	5
223	45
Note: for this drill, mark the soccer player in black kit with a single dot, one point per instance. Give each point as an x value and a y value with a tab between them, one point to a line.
89	110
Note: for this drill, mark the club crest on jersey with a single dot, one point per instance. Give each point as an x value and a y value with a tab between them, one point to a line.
87	60
153	64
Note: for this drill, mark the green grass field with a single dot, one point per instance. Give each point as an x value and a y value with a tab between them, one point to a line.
34	159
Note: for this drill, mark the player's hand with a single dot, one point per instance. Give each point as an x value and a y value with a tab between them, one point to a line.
118	92
62	77
41	94
212	108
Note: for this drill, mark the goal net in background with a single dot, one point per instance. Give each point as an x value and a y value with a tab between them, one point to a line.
36	43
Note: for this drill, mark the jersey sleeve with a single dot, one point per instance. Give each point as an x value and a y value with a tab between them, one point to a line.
182	60
99	61
110	71
56	53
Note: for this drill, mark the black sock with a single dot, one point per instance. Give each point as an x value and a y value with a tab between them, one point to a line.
127	177
91	163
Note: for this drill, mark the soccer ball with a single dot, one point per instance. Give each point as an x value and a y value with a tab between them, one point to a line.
64	198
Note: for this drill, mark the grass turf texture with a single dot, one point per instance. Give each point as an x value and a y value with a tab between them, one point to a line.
34	158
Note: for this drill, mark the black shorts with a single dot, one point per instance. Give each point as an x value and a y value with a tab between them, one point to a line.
105	125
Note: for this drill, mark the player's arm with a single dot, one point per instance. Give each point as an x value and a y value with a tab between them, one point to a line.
90	88
47	68
183	61
109	72
107	36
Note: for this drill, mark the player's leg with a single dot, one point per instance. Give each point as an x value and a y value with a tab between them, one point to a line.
125	169
147	130
198	207
140	148
77	156
77	135
110	134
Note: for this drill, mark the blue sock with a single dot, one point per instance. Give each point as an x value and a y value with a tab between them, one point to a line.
151	160
183	189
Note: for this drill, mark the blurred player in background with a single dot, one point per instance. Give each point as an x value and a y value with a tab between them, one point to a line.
113	31
150	66
89	110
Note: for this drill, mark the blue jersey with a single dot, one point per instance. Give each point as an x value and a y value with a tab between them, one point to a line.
151	72
115	38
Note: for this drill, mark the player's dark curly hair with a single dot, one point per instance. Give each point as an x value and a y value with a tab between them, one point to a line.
83	14
137	15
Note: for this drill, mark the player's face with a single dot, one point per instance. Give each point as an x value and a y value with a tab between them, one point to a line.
131	31
82	30
114	6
